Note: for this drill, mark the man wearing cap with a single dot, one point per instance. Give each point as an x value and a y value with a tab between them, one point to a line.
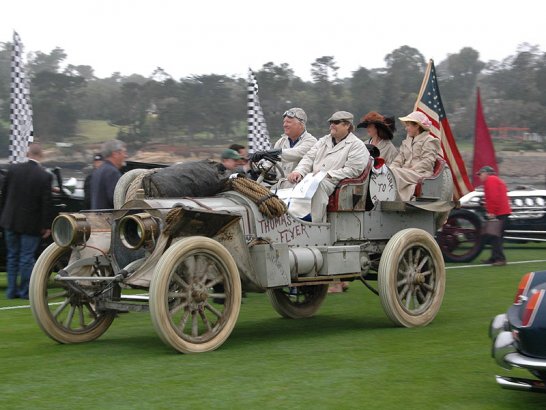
497	206
231	162
97	162
293	144
341	154
416	156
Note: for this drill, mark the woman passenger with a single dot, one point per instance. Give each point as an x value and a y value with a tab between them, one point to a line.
380	129
417	154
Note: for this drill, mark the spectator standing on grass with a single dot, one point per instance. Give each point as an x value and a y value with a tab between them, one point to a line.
107	175
26	218
97	162
497	206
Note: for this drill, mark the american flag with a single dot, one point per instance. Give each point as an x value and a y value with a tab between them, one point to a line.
21	130
258	137
430	103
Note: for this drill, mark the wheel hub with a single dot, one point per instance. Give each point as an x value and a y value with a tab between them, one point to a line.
199	293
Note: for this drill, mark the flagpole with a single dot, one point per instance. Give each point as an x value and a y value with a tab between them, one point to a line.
423	84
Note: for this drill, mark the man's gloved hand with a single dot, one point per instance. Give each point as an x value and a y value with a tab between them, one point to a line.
272	155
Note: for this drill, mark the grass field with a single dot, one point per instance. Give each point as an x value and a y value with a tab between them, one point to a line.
347	356
96	131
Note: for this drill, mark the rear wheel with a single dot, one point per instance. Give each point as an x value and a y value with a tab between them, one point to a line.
63	314
297	302
459	238
411	278
195	295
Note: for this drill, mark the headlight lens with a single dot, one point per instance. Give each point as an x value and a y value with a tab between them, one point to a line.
518	202
70	229
135	230
529	201
540	201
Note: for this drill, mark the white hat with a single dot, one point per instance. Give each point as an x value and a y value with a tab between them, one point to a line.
419	118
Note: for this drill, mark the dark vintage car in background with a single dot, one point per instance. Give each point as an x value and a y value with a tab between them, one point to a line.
519	336
460	238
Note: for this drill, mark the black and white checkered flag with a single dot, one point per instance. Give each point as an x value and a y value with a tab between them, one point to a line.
21	131
258	137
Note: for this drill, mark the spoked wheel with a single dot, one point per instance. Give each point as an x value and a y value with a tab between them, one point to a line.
459	238
63	314
298	302
411	278
195	295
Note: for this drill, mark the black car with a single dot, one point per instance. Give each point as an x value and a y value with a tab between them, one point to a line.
460	238
519	336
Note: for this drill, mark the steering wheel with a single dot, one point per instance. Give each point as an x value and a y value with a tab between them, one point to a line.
264	167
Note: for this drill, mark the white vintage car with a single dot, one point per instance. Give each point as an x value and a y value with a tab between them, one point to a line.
193	257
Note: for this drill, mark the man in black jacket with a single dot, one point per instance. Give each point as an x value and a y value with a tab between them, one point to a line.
26	218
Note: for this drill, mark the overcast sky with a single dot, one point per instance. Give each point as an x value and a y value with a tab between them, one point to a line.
187	37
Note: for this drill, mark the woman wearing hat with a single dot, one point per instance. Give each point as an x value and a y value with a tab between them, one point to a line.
380	129
417	154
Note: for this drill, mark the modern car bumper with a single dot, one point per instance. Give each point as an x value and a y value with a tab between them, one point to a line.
506	355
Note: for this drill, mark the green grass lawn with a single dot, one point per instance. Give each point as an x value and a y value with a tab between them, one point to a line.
95	131
347	356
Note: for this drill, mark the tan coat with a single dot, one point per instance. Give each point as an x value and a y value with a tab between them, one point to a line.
291	156
345	160
415	160
387	150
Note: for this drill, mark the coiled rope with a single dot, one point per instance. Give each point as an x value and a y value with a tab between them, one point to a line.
268	203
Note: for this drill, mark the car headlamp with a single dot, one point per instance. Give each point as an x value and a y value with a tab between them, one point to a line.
137	229
70	229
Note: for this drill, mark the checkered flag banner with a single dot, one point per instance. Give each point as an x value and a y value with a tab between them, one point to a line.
258	137
21	131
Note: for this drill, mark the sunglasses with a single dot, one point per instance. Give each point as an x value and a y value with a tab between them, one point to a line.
337	122
291	114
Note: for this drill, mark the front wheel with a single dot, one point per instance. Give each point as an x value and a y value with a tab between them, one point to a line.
297	302
195	295
63	314
411	278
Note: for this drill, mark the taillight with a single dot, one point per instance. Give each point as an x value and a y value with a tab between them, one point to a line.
523	287
531	308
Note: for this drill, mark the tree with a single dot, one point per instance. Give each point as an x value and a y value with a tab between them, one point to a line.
326	91
39	62
404	74
366	87
53	96
84	71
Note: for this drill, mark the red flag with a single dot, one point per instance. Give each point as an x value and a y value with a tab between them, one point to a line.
430	103
484	151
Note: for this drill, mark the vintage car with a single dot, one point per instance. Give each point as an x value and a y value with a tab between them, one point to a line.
460	238
187	260
519	336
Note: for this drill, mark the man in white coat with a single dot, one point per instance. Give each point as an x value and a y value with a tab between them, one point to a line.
340	153
293	144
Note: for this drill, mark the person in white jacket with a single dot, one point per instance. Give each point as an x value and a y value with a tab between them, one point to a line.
340	153
293	144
